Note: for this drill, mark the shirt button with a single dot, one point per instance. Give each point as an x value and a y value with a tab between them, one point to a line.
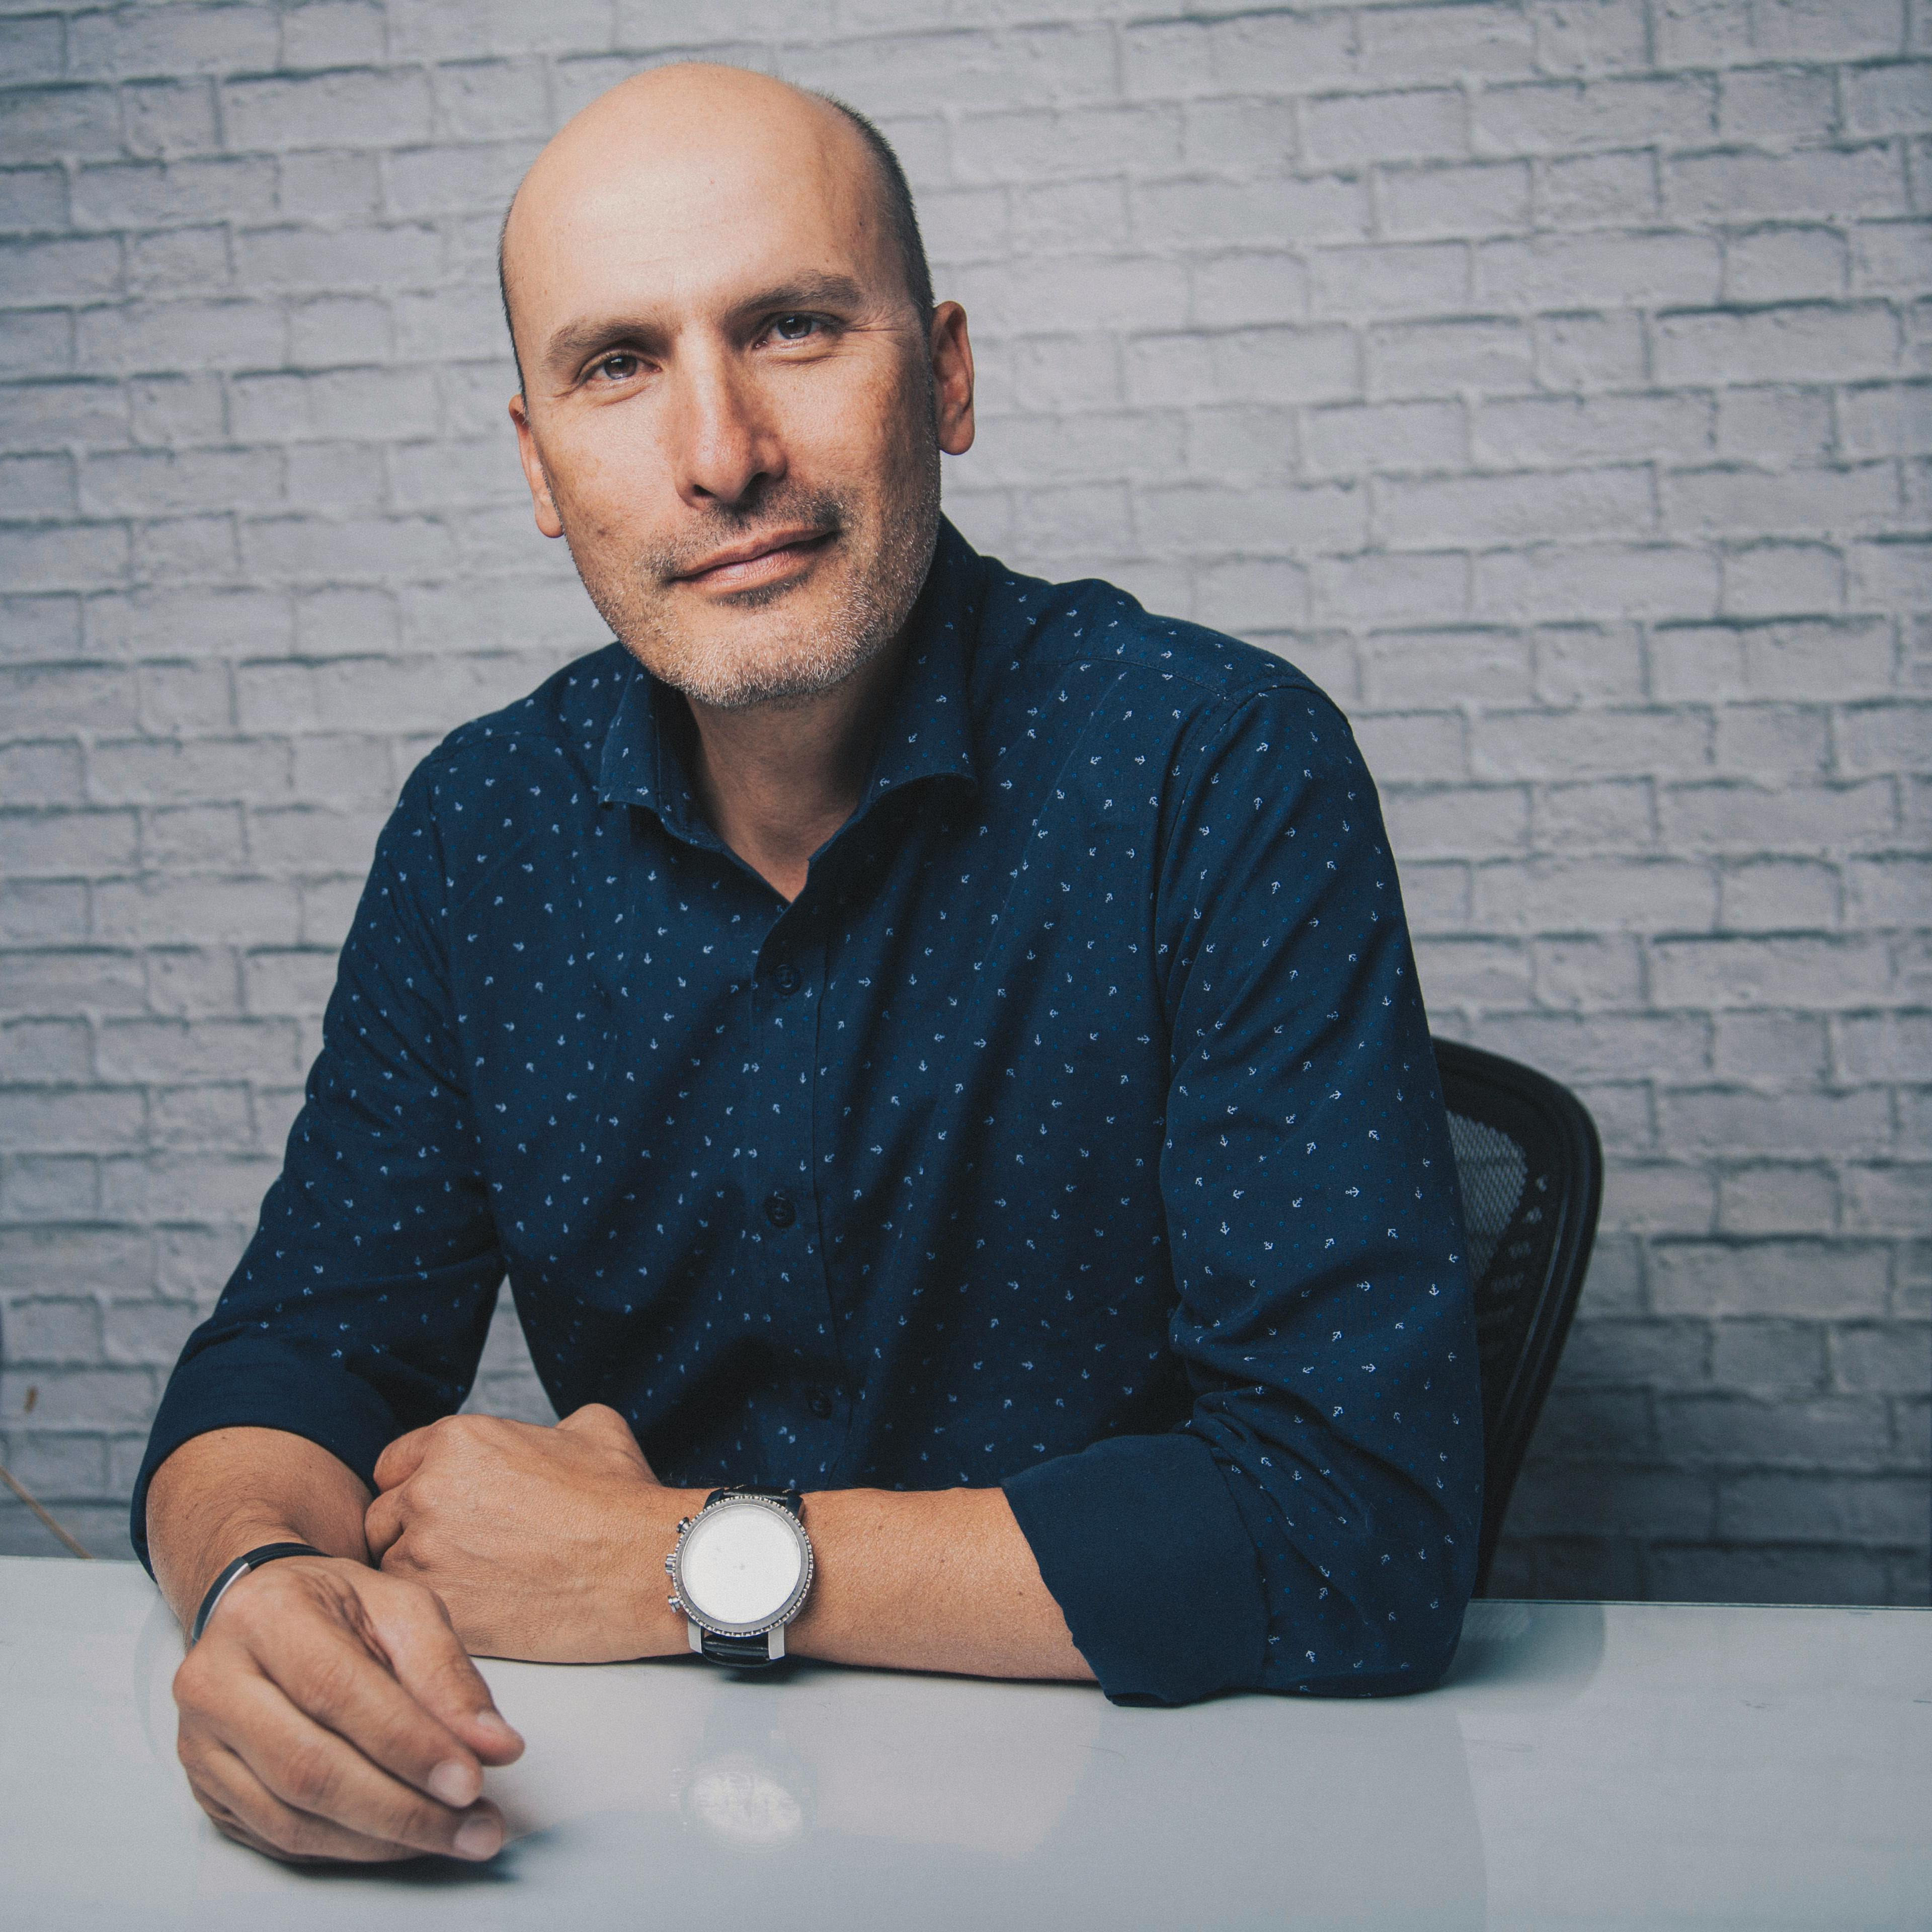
788	979
778	1208
820	1405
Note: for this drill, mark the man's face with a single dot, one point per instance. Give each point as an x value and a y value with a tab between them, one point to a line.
733	412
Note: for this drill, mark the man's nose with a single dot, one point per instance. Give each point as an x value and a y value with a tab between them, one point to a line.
725	442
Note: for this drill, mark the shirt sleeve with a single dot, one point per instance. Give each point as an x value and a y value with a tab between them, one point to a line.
359	1309
1312	1526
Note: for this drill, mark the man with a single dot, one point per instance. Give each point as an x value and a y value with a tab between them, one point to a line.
914	1036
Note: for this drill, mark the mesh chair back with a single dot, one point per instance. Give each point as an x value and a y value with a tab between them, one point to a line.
1532	1171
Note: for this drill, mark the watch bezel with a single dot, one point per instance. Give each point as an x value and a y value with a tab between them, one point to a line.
793	1604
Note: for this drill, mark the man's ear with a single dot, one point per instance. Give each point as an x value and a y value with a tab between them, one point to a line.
548	521
951	351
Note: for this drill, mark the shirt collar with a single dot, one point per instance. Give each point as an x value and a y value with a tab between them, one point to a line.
927	733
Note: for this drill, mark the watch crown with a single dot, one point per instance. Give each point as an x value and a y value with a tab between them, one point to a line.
670	1561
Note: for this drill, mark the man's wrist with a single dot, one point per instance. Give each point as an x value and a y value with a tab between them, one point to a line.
663	1629
230	1490
258	1557
237	1539
198	1615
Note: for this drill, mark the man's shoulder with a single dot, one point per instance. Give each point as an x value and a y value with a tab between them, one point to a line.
1029	623
564	721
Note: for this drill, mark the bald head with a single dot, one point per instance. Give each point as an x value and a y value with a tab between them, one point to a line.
700	114
735	392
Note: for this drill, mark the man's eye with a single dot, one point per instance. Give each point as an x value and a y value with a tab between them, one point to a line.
794	327
618	368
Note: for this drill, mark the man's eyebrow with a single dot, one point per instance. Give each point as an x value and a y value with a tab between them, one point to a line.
806	292
576	340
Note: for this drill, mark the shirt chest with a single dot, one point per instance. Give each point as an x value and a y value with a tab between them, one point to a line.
966	965
865	1128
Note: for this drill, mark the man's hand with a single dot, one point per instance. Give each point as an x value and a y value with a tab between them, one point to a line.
330	1713
547	1544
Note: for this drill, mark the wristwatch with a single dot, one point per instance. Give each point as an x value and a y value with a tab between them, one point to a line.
740	1572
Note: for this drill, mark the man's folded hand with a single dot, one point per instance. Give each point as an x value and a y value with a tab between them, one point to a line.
330	1713
547	1544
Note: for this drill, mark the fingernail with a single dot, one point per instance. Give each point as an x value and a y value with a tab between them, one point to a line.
491	1721
478	1839
455	1783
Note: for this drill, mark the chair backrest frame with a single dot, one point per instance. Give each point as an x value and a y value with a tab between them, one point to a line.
1564	1169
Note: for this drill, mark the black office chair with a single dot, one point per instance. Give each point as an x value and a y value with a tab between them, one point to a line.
1531	1168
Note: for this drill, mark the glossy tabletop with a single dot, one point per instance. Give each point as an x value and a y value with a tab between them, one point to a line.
1584	1765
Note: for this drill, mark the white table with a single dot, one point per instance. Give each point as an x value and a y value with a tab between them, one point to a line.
1586	1765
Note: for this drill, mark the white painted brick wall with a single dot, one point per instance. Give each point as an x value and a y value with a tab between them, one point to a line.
1549	377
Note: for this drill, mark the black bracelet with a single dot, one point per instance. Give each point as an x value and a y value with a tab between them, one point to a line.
268	1553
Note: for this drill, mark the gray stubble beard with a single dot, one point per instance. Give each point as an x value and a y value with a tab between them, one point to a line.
865	621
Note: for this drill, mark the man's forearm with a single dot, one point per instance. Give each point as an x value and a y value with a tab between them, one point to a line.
231	1490
930	1580
551	1544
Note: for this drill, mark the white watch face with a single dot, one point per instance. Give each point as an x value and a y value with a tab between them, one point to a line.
739	1564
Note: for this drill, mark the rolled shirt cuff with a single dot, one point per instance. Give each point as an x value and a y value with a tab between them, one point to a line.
246	1383
1142	1547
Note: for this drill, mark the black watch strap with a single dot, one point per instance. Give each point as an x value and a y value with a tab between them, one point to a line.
742	1653
791	1499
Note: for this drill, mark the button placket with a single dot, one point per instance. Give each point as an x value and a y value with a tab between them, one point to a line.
782	1098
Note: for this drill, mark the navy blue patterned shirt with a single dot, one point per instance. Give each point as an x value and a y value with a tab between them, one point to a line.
1075	1130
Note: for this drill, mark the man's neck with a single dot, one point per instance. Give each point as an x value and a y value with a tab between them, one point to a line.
777	781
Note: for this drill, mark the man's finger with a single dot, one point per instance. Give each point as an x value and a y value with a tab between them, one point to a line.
338	1683
598	1418
402	1459
270	1811
593	1416
312	1770
432	1665
383	1525
243	1810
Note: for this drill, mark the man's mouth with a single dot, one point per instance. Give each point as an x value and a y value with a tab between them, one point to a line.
757	561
